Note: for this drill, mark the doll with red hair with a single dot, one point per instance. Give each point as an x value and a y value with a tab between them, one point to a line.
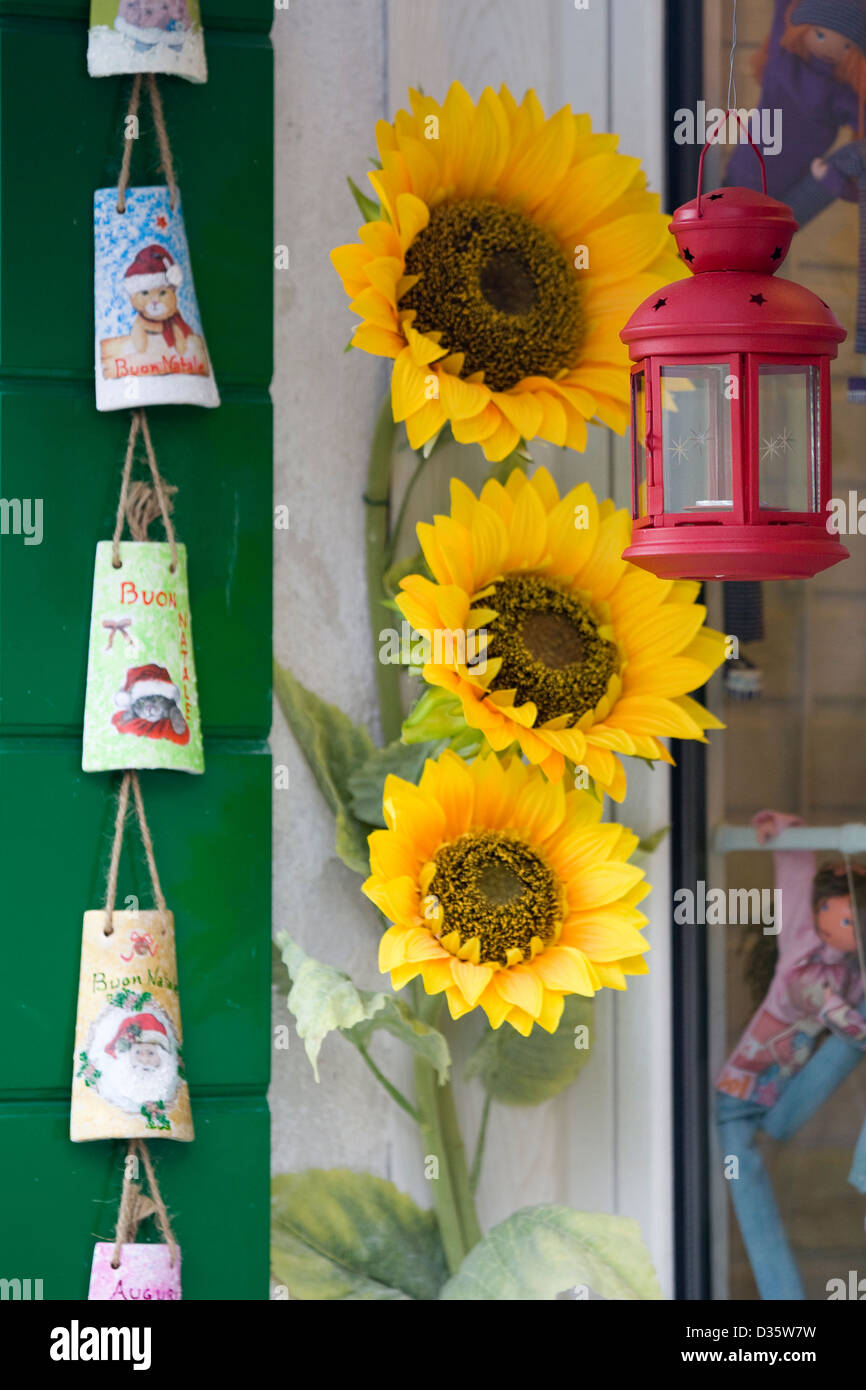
812	68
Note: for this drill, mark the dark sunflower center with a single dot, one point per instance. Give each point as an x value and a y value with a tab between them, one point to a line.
498	889
550	648
499	289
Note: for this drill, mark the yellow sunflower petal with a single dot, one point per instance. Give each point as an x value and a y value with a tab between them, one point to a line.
378	341
564	968
471	980
425	423
603	883
521	986
550	1013
448	780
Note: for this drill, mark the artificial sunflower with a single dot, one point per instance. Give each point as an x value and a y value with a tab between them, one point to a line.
509	251
568	649
504	890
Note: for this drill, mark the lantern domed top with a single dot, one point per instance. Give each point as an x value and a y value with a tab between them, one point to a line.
733	240
734	229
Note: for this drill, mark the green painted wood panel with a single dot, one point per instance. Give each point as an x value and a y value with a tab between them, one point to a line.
55	447
66	1198
211	835
221	136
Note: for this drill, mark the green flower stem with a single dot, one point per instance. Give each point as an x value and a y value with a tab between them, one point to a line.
452	1194
377	501
453	1141
393	1091
434	1110
435	1142
475	1175
398	524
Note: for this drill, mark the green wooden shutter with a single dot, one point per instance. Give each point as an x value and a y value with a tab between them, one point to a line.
60	138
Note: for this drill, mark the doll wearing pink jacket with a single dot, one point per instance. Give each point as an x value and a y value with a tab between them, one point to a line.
817	982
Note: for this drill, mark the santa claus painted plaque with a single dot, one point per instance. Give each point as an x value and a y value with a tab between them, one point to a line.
146	36
141	707
128	1078
143	1273
150	347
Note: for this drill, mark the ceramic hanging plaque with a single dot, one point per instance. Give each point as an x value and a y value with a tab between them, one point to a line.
141	708
150	347
128	36
144	1273
128	1080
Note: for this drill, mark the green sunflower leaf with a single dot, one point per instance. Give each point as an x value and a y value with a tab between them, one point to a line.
366	785
343	1236
333	747
397	1018
541	1251
650	843
367	208
324	1000
526	1071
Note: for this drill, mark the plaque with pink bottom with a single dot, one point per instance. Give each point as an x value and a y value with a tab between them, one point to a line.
144	1272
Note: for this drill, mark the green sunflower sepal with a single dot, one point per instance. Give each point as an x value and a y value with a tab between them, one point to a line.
436	715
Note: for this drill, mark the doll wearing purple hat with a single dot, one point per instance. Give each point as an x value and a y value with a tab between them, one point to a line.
813	69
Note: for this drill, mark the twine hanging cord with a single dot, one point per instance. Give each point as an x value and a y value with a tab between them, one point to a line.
130	778
140	503
135	1206
166	162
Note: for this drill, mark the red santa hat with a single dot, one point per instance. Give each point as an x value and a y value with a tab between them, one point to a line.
153	268
146	680
139	1028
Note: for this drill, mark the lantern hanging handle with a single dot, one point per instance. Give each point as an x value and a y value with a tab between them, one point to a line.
715	132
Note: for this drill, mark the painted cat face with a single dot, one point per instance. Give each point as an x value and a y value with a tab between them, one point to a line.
156	304
152	707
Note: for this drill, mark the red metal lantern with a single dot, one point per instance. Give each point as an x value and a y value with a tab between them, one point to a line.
731	441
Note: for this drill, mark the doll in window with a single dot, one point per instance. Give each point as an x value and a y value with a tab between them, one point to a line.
777	1075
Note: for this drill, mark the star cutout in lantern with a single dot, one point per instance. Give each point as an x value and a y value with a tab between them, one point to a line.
772	447
757	299
680	447
777	254
714	196
659	304
688	255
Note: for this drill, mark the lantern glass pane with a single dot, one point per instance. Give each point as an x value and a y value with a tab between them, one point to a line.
788	437
638	444
696	437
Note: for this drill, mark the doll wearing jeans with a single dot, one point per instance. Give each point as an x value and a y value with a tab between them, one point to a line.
775	1080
